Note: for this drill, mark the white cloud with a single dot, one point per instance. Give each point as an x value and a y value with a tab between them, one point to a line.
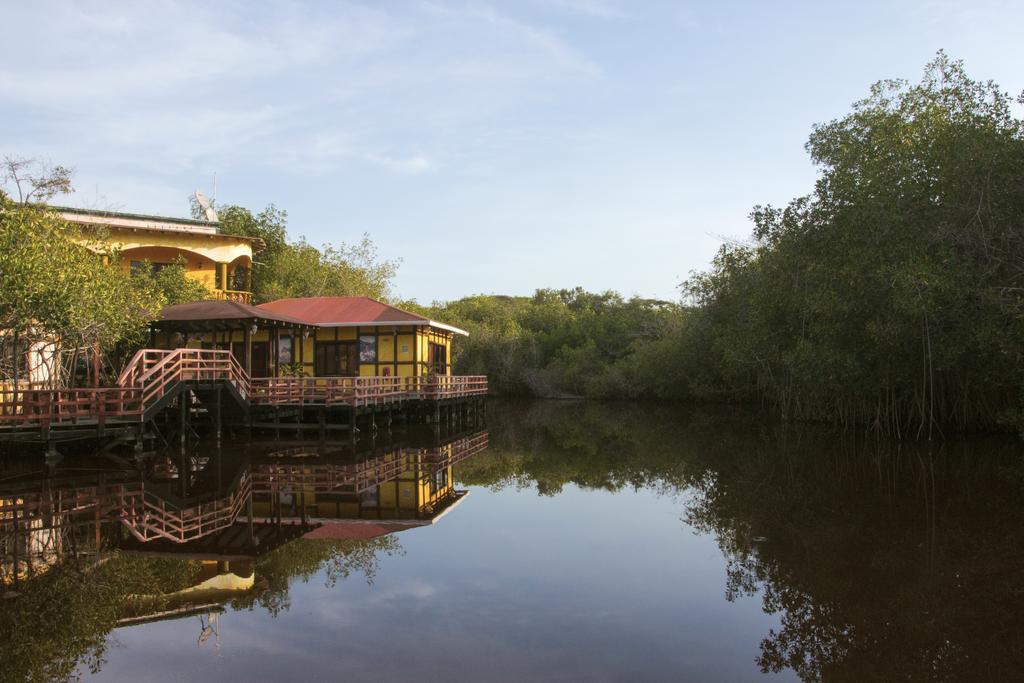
171	88
602	9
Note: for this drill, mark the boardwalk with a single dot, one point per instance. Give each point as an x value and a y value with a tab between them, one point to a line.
153	378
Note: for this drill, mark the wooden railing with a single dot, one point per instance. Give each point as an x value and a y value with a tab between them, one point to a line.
191	365
146	514
443	386
238	295
327	477
151	516
152	373
46	407
362	391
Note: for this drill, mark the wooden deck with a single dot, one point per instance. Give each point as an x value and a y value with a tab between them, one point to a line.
155	376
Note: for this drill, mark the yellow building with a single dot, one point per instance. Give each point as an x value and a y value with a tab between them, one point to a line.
221	262
406	484
339	336
360	336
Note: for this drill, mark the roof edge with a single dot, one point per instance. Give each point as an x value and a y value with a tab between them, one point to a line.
396	323
139	216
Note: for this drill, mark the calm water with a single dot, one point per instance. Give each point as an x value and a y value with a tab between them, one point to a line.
612	542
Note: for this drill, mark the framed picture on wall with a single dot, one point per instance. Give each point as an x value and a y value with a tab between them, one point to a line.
367	349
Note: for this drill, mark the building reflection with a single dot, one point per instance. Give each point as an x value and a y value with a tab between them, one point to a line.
222	506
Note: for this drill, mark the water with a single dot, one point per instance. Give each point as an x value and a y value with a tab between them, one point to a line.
611	542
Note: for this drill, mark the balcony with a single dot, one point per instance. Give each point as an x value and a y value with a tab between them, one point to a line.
233	295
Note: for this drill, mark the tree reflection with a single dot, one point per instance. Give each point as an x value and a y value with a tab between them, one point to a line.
883	562
303	559
59	624
61	619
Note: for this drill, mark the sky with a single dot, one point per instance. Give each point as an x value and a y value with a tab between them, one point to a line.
494	147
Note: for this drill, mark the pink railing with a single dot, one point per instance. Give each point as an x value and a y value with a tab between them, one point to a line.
362	391
152	373
148	515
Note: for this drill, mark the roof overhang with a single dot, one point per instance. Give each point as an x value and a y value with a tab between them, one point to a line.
398	323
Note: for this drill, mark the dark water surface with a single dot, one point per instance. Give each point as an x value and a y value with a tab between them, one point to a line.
612	542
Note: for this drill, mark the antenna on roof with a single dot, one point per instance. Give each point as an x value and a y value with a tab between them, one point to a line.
206	205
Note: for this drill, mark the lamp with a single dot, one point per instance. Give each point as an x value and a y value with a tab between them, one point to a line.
252	330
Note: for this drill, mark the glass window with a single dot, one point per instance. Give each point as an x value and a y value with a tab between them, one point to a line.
337	359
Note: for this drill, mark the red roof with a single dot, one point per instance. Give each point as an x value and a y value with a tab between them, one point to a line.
324	310
219	312
348	310
353	531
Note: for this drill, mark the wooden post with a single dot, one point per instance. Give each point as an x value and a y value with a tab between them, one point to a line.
252	536
96	365
216	412
184	414
247	336
17	563
17	373
275	353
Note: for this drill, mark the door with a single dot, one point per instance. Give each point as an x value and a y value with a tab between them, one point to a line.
438	359
238	351
261	359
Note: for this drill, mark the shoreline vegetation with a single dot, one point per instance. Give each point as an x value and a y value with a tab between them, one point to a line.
889	298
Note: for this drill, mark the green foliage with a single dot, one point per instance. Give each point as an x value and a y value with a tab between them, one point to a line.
891	295
62	618
285	269
565	342
54	288
303	558
170	283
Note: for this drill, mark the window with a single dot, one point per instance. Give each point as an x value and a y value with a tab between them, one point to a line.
439	481
154	268
240	279
368	349
336	359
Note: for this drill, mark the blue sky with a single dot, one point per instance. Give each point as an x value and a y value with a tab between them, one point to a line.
494	147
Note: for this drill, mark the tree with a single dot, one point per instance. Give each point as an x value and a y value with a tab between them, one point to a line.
56	291
170	284
285	269
35	180
892	294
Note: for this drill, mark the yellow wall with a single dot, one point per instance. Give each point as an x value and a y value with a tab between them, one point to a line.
201	252
400	351
217	248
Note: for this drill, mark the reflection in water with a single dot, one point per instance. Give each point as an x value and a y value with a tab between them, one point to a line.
88	548
883	561
865	560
